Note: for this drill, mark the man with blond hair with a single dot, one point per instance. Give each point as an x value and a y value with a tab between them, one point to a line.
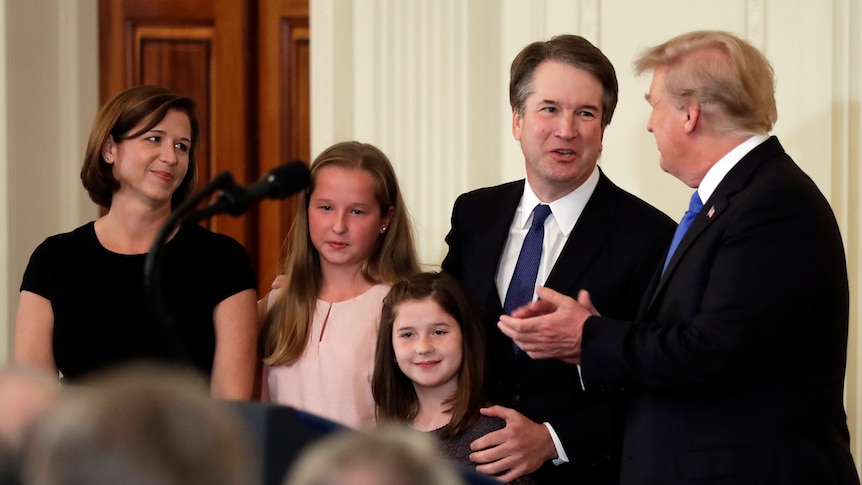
735	365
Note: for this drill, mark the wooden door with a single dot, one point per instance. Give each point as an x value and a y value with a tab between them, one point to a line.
245	63
284	115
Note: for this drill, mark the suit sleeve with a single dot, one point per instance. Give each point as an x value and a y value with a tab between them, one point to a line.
591	432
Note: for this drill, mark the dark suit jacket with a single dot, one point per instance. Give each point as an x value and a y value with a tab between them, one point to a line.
735	366
613	251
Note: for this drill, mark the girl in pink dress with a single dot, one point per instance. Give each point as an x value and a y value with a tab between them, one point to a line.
350	241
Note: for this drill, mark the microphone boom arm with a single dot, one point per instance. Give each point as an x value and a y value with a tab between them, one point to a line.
278	183
152	263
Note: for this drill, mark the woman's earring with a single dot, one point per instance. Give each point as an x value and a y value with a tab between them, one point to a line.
383	229
107	160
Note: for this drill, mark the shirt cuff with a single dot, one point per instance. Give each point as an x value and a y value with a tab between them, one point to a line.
562	457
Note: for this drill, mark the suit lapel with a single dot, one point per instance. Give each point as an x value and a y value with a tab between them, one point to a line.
493	237
712	211
586	239
718	204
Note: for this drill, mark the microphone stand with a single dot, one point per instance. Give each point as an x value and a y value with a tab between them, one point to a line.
152	263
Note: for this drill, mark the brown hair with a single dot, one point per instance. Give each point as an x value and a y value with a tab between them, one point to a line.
144	107
287	325
393	391
729	78
573	50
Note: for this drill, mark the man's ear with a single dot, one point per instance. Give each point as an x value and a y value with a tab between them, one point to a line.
692	113
516	124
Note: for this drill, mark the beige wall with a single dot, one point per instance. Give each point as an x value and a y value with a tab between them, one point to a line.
48	97
426	81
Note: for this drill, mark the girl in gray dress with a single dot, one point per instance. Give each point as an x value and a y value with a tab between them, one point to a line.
430	364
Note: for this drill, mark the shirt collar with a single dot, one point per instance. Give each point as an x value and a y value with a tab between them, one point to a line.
566	209
717	172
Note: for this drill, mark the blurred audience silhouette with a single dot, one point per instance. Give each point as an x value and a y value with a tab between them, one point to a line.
139	424
25	395
386	455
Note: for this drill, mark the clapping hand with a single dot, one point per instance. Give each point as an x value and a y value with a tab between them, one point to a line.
550	327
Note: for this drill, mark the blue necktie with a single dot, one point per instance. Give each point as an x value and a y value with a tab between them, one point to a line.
694	206
523	283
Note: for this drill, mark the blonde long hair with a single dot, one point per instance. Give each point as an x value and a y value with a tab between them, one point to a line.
287	325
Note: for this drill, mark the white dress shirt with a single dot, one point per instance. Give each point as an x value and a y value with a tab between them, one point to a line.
717	172
565	212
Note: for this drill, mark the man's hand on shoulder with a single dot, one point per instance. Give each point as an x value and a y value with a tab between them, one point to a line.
514	451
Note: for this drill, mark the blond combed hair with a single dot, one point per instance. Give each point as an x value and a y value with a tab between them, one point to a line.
729	78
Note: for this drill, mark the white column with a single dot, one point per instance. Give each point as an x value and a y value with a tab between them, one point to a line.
423	88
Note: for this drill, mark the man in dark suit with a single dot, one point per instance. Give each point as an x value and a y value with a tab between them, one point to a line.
563	93
735	364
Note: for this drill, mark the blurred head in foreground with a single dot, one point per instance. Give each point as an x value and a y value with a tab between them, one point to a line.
25	394
139	425
387	455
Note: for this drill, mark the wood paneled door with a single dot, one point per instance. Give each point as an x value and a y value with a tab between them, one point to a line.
245	63
284	115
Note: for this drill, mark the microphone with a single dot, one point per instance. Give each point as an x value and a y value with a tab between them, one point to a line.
278	183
